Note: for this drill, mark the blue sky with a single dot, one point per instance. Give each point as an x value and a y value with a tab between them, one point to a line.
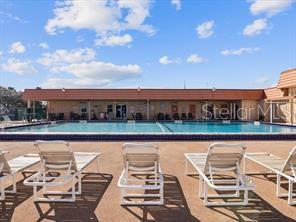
151	44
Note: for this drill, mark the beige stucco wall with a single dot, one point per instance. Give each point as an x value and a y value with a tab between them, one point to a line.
133	107
165	107
63	107
155	107
249	110
283	111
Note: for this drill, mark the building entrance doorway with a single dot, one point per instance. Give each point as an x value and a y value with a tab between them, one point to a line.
120	111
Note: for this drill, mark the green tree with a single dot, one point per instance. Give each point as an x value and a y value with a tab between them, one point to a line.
10	100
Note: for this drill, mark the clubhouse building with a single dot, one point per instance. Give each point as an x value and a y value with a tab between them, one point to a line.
274	104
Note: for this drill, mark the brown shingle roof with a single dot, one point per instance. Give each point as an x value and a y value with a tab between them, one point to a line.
274	93
287	79
143	94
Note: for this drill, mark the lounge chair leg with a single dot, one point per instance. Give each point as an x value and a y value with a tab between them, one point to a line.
205	193
44	181
186	167
278	185
97	165
290	194
79	184
2	197
35	193
201	188
161	195
13	183
122	195
246	197
73	189
244	165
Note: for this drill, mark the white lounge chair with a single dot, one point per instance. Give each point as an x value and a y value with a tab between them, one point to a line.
58	157
281	167
6	122
141	173
9	168
221	159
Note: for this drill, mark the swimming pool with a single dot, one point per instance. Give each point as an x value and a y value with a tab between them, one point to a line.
156	127
149	131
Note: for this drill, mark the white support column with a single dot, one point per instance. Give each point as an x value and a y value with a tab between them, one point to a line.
234	111
47	105
230	110
292	111
29	107
206	109
34	110
270	112
148	109
88	109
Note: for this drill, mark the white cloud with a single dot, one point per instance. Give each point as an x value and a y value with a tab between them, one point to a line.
261	82
165	60
102	16
240	51
84	69
12	17
256	28
194	58
100	70
114	40
1	53
72	83
17	47
44	45
263	79
269	7
138	11
95	73
205	30
60	57
176	3
19	67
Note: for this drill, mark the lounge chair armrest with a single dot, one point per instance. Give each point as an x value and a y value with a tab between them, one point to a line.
30	180
195	154
87	154
258	154
34	180
31	155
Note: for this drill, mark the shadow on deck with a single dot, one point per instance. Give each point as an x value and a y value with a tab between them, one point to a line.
175	207
83	209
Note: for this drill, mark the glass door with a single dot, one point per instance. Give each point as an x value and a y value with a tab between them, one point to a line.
120	111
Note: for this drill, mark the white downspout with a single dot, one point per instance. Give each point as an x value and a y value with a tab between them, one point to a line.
270	112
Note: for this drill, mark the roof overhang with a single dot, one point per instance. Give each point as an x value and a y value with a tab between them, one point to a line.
142	94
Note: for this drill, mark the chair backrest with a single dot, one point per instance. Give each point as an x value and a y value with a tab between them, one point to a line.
56	155
141	157
290	163
4	166
224	157
6	118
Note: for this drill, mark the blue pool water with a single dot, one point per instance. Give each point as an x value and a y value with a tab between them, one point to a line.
156	127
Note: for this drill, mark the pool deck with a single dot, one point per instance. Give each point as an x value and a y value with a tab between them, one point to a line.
100	198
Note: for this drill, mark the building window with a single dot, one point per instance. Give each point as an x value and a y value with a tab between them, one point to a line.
83	108
110	109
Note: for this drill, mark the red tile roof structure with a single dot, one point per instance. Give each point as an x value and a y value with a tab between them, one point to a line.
143	94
